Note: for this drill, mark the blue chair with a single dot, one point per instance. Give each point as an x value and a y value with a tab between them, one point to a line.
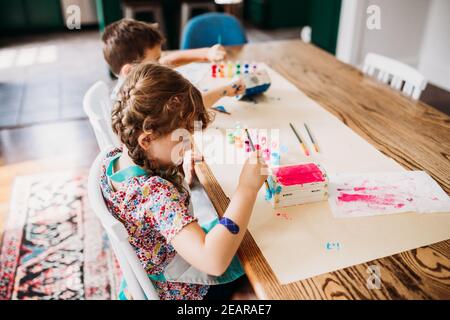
209	29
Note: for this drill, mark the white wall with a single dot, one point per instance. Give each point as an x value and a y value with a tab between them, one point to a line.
435	54
402	28
416	32
351	30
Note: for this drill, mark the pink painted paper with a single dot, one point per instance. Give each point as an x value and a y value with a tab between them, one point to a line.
353	195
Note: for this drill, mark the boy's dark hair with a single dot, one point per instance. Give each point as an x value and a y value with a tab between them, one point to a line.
125	41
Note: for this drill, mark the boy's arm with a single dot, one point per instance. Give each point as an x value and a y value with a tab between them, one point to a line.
233	89
178	58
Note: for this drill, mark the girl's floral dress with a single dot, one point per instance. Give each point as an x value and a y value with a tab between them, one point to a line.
153	212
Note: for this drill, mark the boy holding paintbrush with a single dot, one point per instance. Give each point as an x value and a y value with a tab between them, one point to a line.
127	42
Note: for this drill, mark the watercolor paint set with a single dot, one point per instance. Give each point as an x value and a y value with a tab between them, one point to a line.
231	69
256	78
297	184
270	151
287	185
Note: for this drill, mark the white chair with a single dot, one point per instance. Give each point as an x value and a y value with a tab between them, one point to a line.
139	285
396	74
97	106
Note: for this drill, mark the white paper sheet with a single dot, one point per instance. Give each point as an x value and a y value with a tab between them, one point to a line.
194	72
372	194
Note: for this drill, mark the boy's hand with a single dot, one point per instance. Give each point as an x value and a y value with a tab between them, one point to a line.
216	53
235	88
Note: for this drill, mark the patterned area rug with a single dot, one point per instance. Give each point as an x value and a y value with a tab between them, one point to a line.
53	246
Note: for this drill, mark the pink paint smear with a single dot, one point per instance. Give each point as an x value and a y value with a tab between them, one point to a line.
384	200
299	174
365	189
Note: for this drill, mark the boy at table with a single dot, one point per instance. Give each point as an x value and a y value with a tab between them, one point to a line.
127	42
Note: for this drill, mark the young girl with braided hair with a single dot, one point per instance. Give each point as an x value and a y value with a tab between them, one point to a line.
143	188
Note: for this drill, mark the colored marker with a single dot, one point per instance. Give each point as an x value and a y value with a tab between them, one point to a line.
312	139
300	140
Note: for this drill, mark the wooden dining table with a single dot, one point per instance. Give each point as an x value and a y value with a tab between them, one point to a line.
412	133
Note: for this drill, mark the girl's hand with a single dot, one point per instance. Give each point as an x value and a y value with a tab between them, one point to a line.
254	173
216	53
235	88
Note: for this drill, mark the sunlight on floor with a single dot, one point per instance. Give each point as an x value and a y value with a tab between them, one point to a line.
10	58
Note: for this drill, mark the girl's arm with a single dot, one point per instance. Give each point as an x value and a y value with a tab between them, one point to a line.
178	58
212	253
233	89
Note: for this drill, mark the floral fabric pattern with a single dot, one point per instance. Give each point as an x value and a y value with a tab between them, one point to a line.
153	211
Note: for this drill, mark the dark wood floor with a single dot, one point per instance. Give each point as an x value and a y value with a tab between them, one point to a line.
74	139
43	78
